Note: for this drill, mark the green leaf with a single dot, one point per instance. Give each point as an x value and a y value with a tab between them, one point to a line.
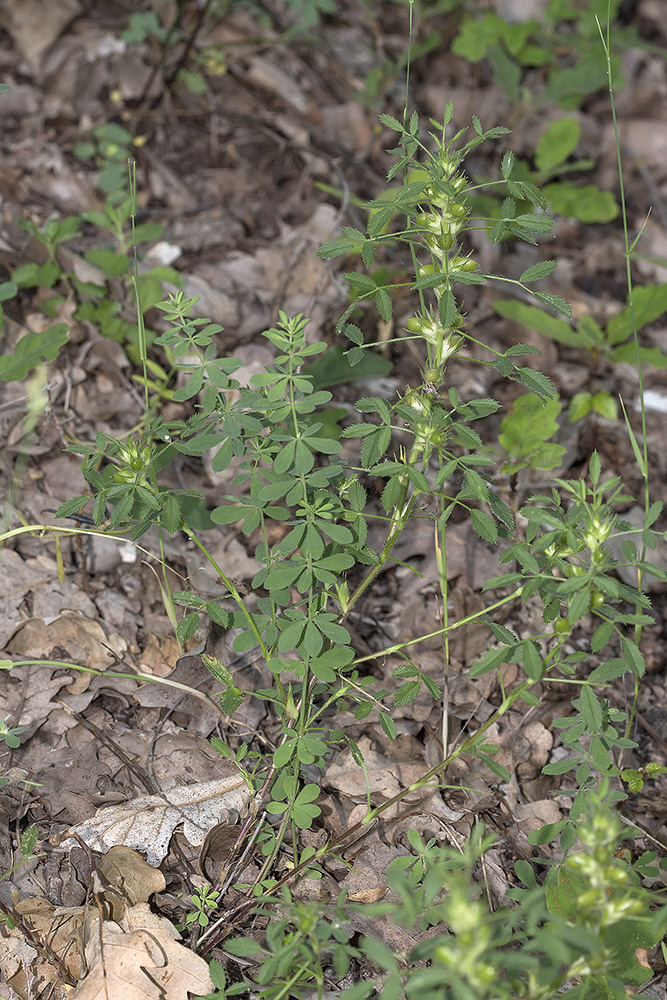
654	512
556	144
193	385
491	660
390	122
608	671
388	725
601	636
540	270
72	506
649	303
537	382
229	514
33	349
187	627
284	753
309	792
111	264
36	275
242	947
484	525
170	515
532	661
230	700
580	406
406	693
538	320
8	289
531	422
633	656
586	203
383	303
375	446
334	368
337	533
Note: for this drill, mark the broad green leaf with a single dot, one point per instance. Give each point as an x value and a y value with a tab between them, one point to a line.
531	422
406	693
170	515
556	143
605	404
649	303
538	320
36	275
586	203
111	264
228	514
35	348
334	368
580	406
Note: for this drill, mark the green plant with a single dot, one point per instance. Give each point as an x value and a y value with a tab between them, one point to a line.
310	579
635	778
110	146
28	848
576	935
551	165
100	299
613	343
182	53
300	939
204	899
562	49
219	980
10	735
526	432
307	510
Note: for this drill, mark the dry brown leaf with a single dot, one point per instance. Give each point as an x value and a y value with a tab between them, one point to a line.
148	822
73	637
25	696
368	895
61	929
18	577
35	25
127	871
386	777
142	959
22	968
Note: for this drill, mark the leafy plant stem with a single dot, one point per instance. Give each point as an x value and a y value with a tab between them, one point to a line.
399	518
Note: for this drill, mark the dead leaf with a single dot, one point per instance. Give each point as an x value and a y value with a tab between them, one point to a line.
21	966
148	822
127	871
25	696
217	849
368	895
34	25
386	777
19	576
69	637
142	959
61	929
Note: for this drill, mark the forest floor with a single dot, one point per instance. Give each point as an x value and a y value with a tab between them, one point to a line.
247	179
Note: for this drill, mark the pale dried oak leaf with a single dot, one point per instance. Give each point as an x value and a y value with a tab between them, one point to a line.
147	823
